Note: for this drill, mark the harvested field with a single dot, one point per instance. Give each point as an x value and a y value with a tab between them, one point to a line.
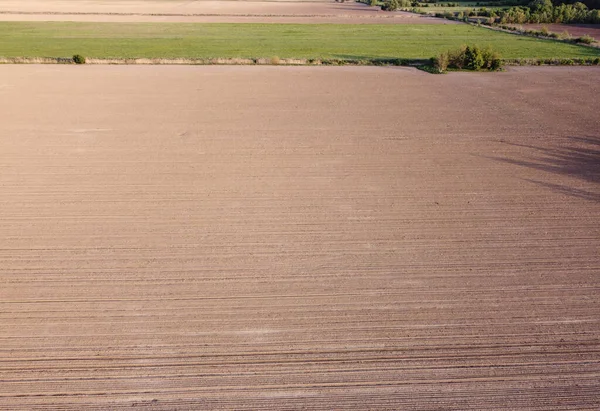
307	238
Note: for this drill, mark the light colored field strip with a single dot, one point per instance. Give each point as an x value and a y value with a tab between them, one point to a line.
205	12
298	237
223	18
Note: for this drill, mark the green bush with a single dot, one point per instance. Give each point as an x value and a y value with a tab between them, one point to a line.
78	59
390	5
373	3
470	58
473	58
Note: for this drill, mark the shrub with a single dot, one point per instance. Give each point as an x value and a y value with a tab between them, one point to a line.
334	62
275	60
456	58
373	3
390	5
472	58
564	35
440	63
78	59
585	39
492	60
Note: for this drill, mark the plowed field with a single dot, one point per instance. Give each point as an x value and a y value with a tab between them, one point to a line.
205	11
187	238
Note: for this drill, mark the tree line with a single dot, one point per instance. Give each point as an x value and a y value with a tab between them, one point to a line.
543	11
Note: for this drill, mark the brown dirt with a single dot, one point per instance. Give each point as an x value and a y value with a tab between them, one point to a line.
405	18
205	12
186	7
306	238
575	30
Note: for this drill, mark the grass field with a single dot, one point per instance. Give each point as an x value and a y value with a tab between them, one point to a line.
177	40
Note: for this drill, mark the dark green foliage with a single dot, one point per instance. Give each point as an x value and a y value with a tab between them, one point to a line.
543	11
390	5
473	58
78	59
469	58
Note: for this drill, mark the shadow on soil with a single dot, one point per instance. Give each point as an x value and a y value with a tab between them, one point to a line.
579	159
353	57
377	61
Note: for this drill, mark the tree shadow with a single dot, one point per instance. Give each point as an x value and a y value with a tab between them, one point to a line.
579	159
362	57
570	191
381	60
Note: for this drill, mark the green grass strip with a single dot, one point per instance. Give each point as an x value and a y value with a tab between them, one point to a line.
303	41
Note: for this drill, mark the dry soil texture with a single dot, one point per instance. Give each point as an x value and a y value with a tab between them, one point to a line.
185	238
206	11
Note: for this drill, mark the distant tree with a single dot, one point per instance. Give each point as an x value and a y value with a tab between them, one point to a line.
541	6
390	5
78	59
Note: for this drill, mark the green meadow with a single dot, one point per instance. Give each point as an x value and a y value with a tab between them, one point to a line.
303	41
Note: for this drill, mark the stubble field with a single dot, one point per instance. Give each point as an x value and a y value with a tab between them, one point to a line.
298	238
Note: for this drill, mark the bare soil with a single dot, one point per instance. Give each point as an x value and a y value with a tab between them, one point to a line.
298	238
207	11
